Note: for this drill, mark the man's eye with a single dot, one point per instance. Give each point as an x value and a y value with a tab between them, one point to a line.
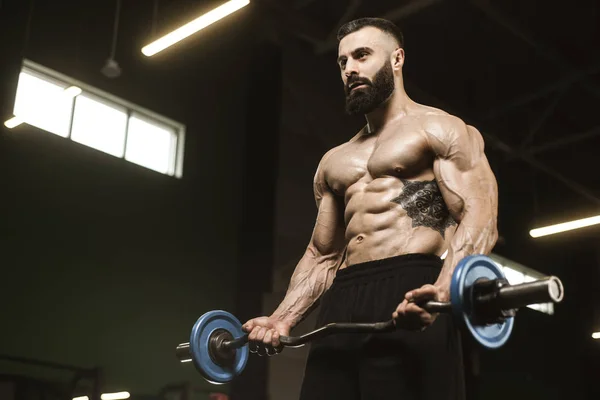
362	55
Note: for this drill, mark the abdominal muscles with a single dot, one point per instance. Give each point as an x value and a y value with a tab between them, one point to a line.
387	217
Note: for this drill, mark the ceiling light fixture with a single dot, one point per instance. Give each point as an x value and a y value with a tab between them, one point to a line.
194	26
115	396
13	122
565	226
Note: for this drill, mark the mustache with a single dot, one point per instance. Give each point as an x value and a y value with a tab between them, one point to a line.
355	79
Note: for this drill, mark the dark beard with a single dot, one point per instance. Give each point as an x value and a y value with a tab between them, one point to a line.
367	99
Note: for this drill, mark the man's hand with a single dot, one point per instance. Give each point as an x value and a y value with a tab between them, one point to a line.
265	333
410	316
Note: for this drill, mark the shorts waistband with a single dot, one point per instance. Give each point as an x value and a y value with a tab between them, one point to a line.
375	267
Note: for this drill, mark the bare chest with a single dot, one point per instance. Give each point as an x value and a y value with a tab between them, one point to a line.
402	153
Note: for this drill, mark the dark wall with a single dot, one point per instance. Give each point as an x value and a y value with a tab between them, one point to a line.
106	263
257	233
313	121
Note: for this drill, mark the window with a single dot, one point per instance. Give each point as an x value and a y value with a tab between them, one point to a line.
65	107
99	125
145	140
42	103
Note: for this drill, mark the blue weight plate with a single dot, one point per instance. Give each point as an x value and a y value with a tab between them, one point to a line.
469	270
199	341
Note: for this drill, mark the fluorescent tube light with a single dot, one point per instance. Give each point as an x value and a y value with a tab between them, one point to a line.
565	226
13	122
194	26
115	396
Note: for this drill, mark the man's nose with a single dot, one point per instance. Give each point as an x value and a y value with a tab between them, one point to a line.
351	68
351	76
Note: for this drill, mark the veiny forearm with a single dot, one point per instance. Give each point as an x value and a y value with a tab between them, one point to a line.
312	277
476	234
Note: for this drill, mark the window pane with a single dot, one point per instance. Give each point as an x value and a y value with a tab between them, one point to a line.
100	126
151	145
43	104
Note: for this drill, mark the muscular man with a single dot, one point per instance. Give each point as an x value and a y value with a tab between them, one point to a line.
413	184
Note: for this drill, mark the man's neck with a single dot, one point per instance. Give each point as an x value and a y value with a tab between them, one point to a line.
395	107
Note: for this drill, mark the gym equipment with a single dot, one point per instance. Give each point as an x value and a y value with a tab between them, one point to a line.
215	362
480	296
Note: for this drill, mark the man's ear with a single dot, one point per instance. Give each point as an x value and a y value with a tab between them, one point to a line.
397	58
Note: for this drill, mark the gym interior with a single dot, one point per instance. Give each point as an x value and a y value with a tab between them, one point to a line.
146	186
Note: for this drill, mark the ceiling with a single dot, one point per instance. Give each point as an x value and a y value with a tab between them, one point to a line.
524	73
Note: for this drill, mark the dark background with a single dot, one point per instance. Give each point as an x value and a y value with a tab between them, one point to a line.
106	264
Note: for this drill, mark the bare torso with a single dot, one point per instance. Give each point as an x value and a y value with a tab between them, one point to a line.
392	204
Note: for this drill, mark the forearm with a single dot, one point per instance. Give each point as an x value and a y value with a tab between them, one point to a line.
312	277
476	234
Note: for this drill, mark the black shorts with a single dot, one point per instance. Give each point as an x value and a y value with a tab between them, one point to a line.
400	365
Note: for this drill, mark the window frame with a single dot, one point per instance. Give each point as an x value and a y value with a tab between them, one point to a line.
176	153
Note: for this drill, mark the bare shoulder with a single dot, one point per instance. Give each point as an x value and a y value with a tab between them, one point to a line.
325	165
448	134
331	152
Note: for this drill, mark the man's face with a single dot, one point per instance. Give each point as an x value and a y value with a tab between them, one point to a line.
365	65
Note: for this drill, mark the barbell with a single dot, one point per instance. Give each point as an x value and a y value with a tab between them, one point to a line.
480	297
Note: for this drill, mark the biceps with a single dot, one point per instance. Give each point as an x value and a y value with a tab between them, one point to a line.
328	234
471	189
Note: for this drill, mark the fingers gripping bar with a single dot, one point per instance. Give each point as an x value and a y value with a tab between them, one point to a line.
183	352
480	296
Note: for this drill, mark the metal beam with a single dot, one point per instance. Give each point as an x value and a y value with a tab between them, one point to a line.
576	187
498	144
564	141
543	49
522	100
292	22
298	4
396	14
409	9
350	11
528	158
548	111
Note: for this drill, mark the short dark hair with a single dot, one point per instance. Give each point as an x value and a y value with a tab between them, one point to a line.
383	24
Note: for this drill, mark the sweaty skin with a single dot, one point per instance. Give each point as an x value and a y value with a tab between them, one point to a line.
414	180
